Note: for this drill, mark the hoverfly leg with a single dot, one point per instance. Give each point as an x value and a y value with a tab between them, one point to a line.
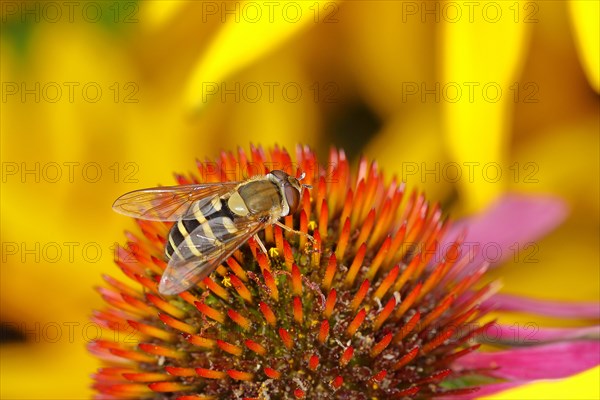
287	228
261	245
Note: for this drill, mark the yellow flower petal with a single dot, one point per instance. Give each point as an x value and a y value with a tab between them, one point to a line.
80	156
158	13
538	269
285	113
481	60
47	363
252	31
562	160
583	386
386	66
419	160
585	17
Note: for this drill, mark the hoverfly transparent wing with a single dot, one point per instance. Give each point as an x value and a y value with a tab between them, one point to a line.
199	254
168	203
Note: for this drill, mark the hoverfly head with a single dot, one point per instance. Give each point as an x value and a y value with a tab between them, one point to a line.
291	189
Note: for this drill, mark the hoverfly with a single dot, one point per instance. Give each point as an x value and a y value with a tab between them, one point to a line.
212	220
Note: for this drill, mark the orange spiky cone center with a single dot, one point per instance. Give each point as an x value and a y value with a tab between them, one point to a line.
366	311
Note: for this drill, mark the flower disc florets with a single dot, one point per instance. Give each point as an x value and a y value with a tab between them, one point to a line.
371	310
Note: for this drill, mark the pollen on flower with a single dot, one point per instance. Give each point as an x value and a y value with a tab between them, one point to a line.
365	310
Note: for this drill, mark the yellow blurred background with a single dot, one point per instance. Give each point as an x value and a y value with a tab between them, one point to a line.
465	100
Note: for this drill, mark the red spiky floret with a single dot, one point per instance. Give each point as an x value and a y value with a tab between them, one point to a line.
366	311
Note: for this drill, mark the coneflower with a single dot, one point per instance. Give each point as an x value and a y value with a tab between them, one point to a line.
373	309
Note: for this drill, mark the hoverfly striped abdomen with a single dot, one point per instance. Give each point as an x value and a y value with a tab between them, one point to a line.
209	223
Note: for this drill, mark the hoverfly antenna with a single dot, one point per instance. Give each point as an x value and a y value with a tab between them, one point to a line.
302	176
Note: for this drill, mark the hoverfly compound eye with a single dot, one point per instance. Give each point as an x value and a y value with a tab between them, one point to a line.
290	189
280	175
292	196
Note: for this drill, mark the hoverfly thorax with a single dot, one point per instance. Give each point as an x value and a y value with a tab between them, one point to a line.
291	191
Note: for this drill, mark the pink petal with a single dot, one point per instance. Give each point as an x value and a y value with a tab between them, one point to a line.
513	220
531	334
549	361
579	310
